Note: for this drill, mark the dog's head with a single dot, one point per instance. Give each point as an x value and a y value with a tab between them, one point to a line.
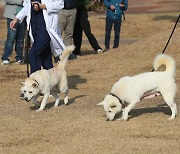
112	106
30	88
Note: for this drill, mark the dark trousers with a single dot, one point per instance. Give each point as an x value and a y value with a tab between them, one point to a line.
82	24
14	37
40	53
108	28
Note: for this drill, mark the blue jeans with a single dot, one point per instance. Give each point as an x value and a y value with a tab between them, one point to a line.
14	36
108	28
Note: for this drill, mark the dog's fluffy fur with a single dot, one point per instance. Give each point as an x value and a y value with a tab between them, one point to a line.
48	82
131	89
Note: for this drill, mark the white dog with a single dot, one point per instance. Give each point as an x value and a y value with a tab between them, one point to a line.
132	89
48	82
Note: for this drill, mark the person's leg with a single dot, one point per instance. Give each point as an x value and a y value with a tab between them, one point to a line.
68	31
20	41
62	24
62	20
77	35
8	48
108	28
37	52
47	58
87	29
117	27
33	58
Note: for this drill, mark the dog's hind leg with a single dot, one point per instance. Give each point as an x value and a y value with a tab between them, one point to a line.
44	102
128	109
63	87
169	99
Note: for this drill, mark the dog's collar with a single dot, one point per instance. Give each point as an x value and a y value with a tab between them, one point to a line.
120	101
36	81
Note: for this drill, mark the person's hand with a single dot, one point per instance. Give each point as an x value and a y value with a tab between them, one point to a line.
13	23
121	5
37	6
112	7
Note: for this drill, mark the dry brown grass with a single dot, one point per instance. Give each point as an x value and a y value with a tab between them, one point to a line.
81	127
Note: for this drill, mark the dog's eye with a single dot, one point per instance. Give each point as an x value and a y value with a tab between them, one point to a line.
109	111
24	91
30	92
113	106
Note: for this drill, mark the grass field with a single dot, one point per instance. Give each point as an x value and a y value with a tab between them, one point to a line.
80	127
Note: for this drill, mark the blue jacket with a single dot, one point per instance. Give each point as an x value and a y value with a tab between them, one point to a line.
117	13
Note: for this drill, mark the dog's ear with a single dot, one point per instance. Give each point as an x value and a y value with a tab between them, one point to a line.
22	84
35	85
101	103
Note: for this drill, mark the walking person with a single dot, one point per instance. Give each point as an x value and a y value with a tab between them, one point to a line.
82	24
67	17
42	21
14	37
115	10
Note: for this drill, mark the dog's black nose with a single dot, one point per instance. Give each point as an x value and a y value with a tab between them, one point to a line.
107	119
25	98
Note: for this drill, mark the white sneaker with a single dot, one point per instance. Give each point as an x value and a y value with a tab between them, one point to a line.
19	62
99	51
5	62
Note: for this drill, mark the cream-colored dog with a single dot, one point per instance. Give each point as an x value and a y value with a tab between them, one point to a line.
48	82
132	89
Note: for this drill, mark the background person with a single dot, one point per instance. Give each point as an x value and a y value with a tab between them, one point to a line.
67	17
115	10
82	24
44	31
12	7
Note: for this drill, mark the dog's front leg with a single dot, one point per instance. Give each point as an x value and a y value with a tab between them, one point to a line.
66	97
128	109
56	96
44	102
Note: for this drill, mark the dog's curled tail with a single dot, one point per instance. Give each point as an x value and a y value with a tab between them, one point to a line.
65	55
167	60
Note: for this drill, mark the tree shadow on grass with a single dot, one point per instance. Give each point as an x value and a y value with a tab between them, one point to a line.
172	18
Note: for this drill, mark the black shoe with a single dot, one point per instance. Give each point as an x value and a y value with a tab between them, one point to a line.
21	96
72	56
115	47
56	60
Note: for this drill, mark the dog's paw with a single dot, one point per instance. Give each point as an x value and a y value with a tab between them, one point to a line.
66	100
171	118
57	103
119	119
38	110
124	117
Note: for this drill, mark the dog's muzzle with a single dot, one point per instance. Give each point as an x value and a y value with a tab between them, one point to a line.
26	99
